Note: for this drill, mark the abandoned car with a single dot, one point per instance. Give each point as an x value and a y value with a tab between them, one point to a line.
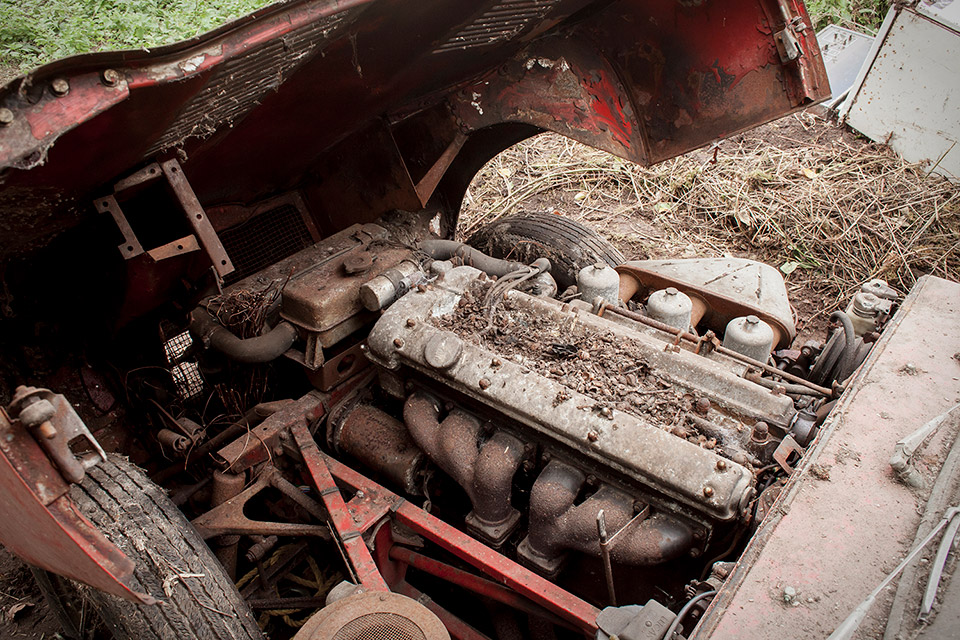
249	374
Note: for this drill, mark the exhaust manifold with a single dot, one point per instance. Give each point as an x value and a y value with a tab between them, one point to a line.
484	468
559	525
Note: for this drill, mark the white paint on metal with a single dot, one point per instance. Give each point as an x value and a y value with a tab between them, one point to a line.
908	90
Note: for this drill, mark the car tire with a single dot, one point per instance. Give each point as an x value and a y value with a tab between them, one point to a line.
569	245
172	563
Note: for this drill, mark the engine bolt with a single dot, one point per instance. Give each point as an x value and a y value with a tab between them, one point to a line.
398	342
708	491
60	87
721	465
484	383
591	480
760	432
703	406
593	436
6	117
411	322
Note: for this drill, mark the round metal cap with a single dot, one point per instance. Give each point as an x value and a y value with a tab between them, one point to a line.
374	615
442	351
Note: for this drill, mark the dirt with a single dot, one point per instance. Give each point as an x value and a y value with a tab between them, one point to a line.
23	611
612	373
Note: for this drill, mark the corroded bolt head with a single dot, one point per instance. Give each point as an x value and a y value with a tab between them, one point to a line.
411	322
708	491
6	117
721	465
670	291
484	383
110	77
593	436
398	342
703	406
760	431
753	320
60	87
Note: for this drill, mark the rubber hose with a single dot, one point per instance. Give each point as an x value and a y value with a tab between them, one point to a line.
261	349
849	347
684	611
446	249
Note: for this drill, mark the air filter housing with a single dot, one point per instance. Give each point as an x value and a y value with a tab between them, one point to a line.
374	616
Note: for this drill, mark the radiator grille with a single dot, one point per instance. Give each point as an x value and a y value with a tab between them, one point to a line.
502	21
267	238
240	83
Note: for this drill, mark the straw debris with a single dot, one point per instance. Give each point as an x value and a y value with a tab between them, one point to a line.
831	210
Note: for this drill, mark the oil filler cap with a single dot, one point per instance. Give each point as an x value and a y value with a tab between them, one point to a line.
374	615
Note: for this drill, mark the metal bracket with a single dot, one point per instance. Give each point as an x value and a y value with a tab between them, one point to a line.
54	425
787	446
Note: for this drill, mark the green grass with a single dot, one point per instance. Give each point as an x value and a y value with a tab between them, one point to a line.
34	32
862	15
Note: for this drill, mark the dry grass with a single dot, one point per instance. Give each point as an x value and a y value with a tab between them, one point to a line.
829	209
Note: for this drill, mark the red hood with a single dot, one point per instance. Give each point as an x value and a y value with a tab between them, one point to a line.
386	104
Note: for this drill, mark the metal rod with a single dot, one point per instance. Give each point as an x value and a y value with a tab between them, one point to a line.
341	521
650	322
457	627
503	570
471	582
605	554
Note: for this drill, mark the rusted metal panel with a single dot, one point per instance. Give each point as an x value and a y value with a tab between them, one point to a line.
843	521
645	80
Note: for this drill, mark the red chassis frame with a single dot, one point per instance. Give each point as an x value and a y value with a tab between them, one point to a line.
384	569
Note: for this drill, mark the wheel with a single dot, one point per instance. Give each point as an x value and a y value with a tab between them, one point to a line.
173	564
568	245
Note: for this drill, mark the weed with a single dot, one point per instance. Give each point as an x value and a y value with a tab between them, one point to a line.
34	32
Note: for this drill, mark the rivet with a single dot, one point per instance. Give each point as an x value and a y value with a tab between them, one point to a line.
496	362
6	117
484	383
708	491
110	77
411	322
398	342
593	436
721	465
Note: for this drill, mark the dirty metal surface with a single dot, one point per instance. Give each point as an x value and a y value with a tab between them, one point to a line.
731	287
633	446
493	564
43	526
647	81
197	217
843	521
345	530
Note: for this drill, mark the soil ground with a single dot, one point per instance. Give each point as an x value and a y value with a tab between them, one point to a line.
645	219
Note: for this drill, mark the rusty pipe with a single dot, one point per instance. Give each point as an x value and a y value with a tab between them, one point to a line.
500	457
484	470
263	348
557	525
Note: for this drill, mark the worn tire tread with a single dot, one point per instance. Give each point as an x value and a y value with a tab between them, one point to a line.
570	245
119	499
